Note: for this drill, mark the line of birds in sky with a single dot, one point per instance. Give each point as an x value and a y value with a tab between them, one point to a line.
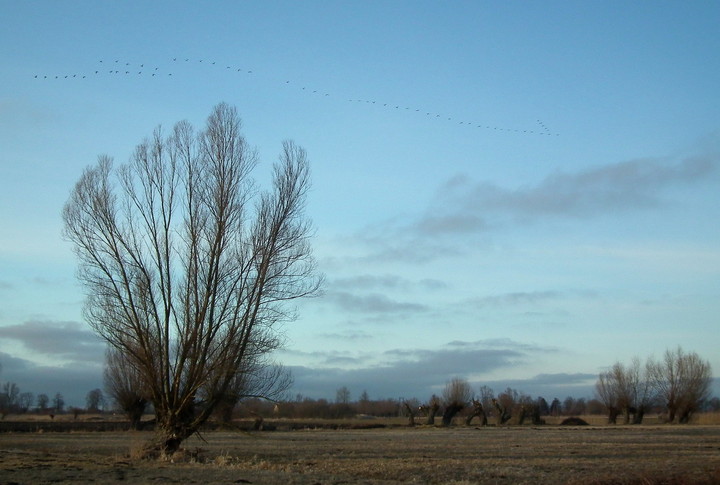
119	67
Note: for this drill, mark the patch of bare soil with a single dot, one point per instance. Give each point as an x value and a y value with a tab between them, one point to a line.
462	455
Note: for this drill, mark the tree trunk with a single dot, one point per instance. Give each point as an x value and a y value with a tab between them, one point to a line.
639	415
536	419
521	418
174	427
411	414
450	411
503	415
479	411
612	415
432	411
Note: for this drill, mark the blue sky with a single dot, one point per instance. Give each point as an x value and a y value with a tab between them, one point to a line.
518	193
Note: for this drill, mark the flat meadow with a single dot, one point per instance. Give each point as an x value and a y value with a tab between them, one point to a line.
388	453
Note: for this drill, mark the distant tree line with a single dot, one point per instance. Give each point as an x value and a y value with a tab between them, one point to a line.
675	387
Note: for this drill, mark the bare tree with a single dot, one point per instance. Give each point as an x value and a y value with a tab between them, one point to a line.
125	384
342	396
9	398
606	390
479	411
42	402
179	275
431	408
94	400
410	412
58	403
456	396
682	380
25	400
260	378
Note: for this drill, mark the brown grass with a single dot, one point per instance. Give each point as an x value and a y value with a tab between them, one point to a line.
601	455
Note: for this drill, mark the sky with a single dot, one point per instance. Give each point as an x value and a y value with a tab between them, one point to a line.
516	193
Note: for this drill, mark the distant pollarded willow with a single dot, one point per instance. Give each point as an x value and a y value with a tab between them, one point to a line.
188	267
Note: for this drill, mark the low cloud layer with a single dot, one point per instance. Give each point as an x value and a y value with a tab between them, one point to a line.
414	372
69	341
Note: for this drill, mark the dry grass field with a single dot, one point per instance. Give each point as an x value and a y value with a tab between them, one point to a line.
425	455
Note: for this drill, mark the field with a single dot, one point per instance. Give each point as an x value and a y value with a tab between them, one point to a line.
391	455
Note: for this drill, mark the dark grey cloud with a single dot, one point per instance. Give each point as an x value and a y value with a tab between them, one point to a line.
549	386
415	372
72	341
73	381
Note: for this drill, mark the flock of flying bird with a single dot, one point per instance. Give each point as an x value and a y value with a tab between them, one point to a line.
129	69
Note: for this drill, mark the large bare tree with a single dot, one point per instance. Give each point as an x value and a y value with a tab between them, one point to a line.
682	381
187	266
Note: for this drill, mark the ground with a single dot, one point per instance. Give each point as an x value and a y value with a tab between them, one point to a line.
425	455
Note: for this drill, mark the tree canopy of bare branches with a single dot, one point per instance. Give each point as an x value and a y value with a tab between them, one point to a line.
456	396
188	267
125	385
683	381
680	381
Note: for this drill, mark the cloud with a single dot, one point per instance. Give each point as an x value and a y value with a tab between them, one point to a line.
4	285
366	281
513	299
384	282
550	386
71	341
473	209
351	335
371	303
617	187
73	381
414	372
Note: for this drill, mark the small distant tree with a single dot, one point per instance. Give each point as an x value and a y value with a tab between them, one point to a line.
364	403
342	396
409	409
9	398
606	389
486	396
58	403
25	401
431	409
456	396
94	400
42	402
555	407
543	406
